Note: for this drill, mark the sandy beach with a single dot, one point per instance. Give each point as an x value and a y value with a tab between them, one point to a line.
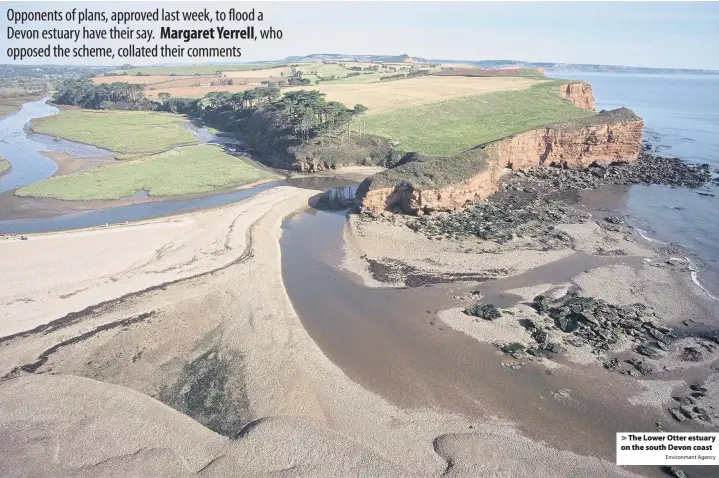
102	366
383	252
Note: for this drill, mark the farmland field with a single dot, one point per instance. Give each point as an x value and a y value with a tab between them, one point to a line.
325	69
189	170
391	95
195	69
196	91
354	80
182	81
455	125
278	72
130	133
140	80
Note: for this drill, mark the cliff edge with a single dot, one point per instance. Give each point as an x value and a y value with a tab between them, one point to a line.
429	184
580	93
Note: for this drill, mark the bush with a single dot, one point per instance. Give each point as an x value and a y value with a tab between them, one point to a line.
484	311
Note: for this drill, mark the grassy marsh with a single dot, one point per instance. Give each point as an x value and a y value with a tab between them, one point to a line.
129	133
189	170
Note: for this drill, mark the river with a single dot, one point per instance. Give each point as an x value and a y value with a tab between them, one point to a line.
386	339
23	149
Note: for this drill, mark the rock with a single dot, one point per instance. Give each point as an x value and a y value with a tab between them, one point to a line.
613	364
640	366
691	354
541	303
676	472
563	394
614	219
677	414
484	311
541	181
515	349
567	323
688	411
648	351
540	336
698	388
513	365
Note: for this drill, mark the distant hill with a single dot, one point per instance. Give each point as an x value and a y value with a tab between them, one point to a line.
494	64
361	58
586	67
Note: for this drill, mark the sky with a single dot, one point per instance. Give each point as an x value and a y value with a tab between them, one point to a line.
665	35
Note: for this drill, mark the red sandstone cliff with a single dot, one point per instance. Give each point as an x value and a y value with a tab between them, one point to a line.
579	93
449	184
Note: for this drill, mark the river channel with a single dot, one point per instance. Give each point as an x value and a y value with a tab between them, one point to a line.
386	339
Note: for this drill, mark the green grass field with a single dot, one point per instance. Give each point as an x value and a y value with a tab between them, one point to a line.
130	133
4	165
355	80
449	127
194	69
325	70
193	169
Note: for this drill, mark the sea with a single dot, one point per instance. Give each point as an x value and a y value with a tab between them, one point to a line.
681	115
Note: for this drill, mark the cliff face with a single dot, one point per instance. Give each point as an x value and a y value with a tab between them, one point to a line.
579	93
411	198
449	184
574	147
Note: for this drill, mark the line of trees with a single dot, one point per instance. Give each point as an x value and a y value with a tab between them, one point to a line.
105	96
309	115
305	114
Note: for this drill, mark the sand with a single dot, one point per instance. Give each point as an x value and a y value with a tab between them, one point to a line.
644	274
67	163
391	240
200	300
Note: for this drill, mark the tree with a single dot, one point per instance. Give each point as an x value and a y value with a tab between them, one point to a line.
359	111
163	97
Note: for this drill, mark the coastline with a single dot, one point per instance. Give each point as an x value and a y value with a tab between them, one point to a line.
190	350
616	265
304	401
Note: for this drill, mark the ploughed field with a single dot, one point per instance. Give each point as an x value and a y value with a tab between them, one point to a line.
403	94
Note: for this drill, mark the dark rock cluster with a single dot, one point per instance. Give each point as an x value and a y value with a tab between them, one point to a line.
602	325
531	203
391	270
634	367
484	311
688	406
505	218
647	169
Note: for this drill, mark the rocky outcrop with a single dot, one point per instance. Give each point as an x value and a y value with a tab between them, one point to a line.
412	198
449	184
602	139
579	93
